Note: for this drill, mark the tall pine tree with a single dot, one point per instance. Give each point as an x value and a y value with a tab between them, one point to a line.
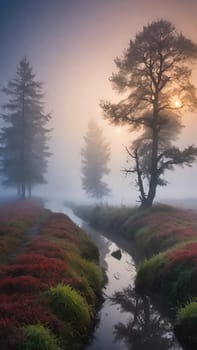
24	137
95	156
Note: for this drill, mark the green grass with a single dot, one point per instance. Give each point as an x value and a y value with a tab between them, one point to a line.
38	337
66	261
70	307
186	321
166	236
147	271
175	281
92	273
106	217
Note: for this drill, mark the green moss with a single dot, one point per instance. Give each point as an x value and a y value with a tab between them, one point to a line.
70	307
38	337
181	287
105	217
89	271
160	230
81	284
143	236
161	208
89	251
93	274
150	273
186	323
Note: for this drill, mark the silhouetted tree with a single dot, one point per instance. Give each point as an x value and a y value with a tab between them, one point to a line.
24	149
95	156
154	76
145	328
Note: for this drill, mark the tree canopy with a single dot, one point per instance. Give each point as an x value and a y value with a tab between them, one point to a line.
95	157
154	75
23	138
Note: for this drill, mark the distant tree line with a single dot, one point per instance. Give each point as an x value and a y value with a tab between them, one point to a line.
24	135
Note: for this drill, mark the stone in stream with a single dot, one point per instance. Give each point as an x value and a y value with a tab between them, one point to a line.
117	254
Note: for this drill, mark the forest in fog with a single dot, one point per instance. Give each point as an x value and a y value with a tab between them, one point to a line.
98	164
77	81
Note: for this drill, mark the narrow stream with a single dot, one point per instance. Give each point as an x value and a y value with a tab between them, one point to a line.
127	321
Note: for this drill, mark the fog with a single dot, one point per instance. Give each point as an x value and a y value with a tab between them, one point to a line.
71	46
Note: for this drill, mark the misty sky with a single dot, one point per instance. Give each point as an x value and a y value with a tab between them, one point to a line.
72	45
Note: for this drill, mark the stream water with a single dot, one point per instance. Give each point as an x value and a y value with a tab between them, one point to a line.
127	321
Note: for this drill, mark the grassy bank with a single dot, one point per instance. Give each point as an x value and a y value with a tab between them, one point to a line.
167	237
16	221
49	286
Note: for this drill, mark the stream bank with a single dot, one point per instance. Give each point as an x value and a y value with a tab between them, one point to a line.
166	236
127	320
51	284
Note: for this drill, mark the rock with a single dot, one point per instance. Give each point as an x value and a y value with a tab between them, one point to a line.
116	275
117	254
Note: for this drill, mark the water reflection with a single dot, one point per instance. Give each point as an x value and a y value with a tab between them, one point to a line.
101	242
127	321
146	328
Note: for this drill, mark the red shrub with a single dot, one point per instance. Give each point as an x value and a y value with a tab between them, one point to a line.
60	226
15	220
185	255
23	284
18	309
32	258
6	326
27	309
11	337
49	270
3	270
59	233
46	248
43	264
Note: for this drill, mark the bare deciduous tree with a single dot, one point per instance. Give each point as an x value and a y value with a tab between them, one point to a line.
154	75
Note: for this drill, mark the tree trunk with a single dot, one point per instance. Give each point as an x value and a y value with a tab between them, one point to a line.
147	203
23	163
152	190
29	190
23	191
139	176
19	190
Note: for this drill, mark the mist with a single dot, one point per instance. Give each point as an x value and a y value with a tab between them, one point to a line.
72	46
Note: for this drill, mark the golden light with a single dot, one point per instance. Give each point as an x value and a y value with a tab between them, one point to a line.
177	103
118	130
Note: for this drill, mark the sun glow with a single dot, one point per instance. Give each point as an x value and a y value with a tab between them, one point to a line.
176	102
118	130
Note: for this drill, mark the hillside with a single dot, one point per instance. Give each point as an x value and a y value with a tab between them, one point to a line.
167	238
50	282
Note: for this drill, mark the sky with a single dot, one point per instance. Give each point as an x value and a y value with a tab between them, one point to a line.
72	46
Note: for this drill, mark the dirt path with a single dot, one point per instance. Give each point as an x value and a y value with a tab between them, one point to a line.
31	233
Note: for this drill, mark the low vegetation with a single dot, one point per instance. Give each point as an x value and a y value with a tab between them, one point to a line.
167	237
39	337
69	306
186	322
15	221
50	289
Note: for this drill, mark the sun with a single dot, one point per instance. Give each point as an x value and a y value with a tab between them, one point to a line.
177	103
